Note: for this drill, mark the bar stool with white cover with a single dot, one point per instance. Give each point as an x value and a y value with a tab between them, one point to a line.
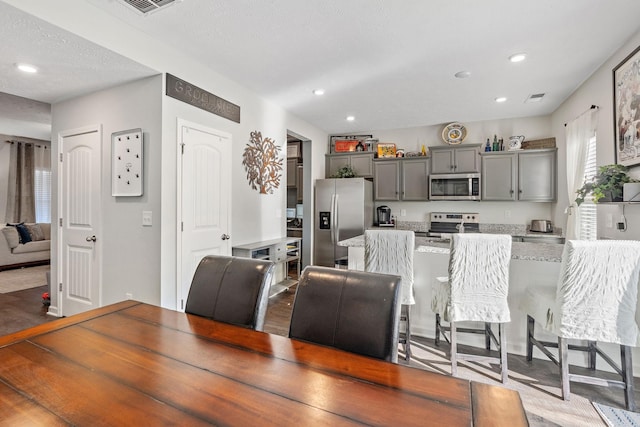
391	252
475	291
595	301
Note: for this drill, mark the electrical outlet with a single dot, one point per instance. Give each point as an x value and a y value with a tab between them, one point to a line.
129	295
403	212
609	221
507	214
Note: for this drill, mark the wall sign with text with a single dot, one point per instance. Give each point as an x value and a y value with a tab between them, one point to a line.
200	98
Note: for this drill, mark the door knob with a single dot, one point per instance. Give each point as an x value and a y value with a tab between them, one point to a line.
91	239
225	237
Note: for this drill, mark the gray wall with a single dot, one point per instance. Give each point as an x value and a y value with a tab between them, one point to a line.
130	252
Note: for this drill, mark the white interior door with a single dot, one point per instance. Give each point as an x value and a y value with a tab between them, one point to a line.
80	238
204	171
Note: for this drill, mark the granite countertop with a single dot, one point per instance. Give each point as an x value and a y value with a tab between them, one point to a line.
549	252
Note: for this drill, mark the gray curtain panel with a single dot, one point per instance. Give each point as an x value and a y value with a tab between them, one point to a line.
20	195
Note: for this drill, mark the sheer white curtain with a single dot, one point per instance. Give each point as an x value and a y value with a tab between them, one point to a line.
578	133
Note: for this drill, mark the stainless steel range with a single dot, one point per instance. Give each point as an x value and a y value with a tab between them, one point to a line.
452	222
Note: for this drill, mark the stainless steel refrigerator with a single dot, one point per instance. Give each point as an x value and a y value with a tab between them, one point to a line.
343	209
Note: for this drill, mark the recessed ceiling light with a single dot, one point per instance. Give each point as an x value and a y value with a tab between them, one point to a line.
462	74
318	92
27	68
350	118
501	99
517	57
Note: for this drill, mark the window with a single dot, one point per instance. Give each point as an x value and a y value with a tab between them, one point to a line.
588	211
42	189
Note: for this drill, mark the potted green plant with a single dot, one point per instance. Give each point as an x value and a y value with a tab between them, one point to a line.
606	185
345	172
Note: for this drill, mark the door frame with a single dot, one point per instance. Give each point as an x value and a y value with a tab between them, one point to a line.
56	279
179	182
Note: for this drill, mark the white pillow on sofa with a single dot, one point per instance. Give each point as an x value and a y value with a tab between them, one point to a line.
12	236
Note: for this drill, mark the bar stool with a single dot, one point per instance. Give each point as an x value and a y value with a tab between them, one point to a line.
595	301
476	290
391	252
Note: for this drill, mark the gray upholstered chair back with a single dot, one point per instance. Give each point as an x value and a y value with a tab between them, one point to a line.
231	290
354	311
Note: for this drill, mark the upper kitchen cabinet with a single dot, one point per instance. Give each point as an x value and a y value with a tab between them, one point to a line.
401	179
460	159
361	163
292	170
528	175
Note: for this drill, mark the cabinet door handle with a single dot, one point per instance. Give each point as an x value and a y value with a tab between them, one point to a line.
225	237
520	191
511	191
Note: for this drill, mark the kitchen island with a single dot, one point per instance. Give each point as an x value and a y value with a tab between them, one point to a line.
533	266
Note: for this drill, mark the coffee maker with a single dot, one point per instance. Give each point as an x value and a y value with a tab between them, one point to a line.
384	216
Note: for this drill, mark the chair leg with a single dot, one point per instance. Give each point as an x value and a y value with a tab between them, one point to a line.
487	335
407	334
454	349
592	355
563	359
627	376
530	330
437	329
503	353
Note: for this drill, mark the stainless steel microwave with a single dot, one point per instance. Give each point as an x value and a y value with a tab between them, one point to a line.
454	186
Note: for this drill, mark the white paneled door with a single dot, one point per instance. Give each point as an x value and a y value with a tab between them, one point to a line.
204	224
80	237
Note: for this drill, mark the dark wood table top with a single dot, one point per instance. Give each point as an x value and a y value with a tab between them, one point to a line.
136	364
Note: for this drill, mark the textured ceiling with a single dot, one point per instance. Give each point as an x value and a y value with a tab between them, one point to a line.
390	63
68	65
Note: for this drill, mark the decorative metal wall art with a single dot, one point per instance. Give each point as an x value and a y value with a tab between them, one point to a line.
263	164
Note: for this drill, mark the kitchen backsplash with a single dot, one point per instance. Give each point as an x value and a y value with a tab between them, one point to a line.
512	229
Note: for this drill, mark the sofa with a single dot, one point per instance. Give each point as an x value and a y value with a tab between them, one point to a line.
14	253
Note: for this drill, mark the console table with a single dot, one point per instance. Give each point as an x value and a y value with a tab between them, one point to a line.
280	251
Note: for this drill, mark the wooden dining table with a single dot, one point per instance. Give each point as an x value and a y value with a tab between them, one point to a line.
132	363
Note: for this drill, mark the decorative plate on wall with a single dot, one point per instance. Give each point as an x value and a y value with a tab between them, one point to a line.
454	133
515	142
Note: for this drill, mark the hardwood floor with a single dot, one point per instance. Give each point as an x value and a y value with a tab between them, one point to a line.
22	309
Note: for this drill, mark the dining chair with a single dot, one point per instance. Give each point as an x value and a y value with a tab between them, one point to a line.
595	301
355	311
232	290
475	291
391	252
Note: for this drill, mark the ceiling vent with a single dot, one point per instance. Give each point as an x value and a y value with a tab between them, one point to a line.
536	97
147	6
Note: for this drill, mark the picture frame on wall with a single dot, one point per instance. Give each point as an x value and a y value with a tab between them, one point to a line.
626	109
348	143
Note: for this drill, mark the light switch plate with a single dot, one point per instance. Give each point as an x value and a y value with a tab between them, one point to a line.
147	218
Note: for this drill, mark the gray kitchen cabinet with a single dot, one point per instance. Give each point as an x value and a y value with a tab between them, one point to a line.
465	159
499	176
527	175
401	179
299	181
537	175
362	163
292	165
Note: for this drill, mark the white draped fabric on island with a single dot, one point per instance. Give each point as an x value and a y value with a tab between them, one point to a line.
533	266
